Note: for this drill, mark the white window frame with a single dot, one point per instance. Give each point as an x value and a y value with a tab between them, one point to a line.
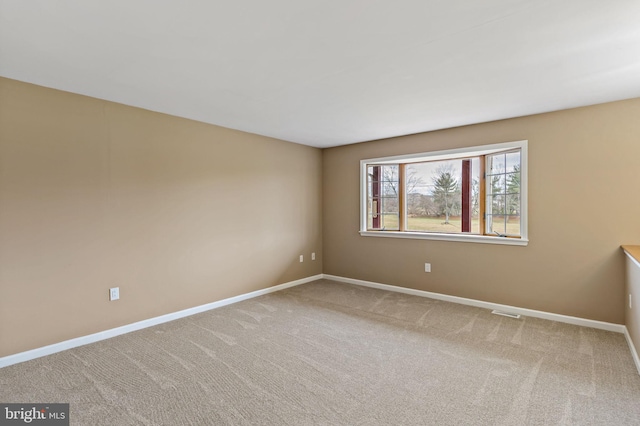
451	154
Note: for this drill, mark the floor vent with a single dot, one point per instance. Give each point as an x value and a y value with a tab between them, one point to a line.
506	314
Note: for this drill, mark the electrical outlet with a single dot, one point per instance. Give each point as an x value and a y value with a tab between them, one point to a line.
313	256
301	258
114	293
427	267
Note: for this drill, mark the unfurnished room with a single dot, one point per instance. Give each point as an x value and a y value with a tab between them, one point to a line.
319	213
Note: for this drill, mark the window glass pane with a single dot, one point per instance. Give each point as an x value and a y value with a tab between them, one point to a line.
503	194
475	224
475	195
382	205
513	215
496	164
389	189
390	222
434	196
498	224
498	184
512	162
369	213
513	183
497	204
513	226
513	204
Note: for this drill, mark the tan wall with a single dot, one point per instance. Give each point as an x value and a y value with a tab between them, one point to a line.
176	213
583	203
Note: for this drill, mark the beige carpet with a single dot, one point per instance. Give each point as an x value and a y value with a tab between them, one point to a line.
335	354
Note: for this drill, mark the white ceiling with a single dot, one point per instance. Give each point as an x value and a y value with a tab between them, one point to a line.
327	73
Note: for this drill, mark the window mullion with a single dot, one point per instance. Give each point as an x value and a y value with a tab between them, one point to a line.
375	196
482	195
402	204
466	196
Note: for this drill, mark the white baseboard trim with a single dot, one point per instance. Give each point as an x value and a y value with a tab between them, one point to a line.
102	335
618	328
107	334
634	353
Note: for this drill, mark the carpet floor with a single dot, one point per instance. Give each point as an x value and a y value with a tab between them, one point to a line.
328	353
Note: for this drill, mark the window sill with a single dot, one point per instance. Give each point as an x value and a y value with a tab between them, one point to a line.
463	238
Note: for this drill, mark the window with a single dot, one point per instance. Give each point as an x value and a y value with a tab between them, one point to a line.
474	194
